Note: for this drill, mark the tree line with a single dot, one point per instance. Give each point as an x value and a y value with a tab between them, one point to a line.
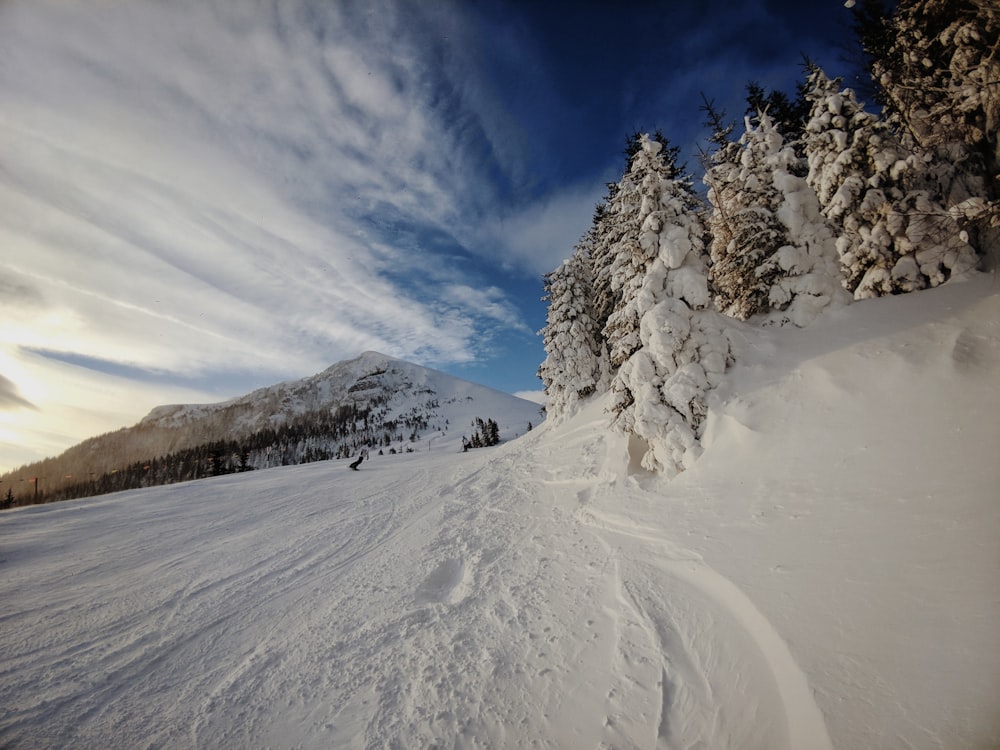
318	436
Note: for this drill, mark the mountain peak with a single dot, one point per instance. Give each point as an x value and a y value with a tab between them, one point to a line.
372	355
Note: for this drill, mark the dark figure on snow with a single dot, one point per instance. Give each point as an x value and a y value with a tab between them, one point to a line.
357	462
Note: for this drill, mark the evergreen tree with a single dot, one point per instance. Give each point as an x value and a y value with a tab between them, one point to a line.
882	194
745	231
655	226
771	249
492	432
722	167
788	115
485	433
570	370
608	230
670	154
937	65
669	350
600	242
873	31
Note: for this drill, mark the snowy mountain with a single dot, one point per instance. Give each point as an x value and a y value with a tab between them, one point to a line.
373	402
387	389
824	575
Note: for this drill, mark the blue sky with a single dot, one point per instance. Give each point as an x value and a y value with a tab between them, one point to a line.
202	197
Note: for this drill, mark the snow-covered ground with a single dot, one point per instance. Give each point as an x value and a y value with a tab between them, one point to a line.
826	575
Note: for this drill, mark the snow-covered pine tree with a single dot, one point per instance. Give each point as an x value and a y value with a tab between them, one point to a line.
772	251
600	240
722	169
608	228
881	193
937	65
651	195
745	232
570	370
669	349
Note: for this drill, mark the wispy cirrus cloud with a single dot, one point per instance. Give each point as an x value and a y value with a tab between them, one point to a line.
541	235
10	396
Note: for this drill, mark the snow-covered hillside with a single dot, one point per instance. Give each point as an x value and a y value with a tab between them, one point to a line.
825	575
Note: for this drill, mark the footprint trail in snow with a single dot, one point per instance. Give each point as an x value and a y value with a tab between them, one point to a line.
692	653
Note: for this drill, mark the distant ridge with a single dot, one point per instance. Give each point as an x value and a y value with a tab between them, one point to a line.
372	402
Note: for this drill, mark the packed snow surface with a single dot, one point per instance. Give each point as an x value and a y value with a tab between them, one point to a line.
827	574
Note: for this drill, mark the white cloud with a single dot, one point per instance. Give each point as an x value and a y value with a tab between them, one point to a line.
142	271
545	232
487	302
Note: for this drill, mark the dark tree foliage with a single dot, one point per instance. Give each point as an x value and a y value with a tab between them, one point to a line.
871	23
937	66
486	433
319	436
715	119
789	115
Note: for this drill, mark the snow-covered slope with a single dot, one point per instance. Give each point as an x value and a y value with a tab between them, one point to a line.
826	575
